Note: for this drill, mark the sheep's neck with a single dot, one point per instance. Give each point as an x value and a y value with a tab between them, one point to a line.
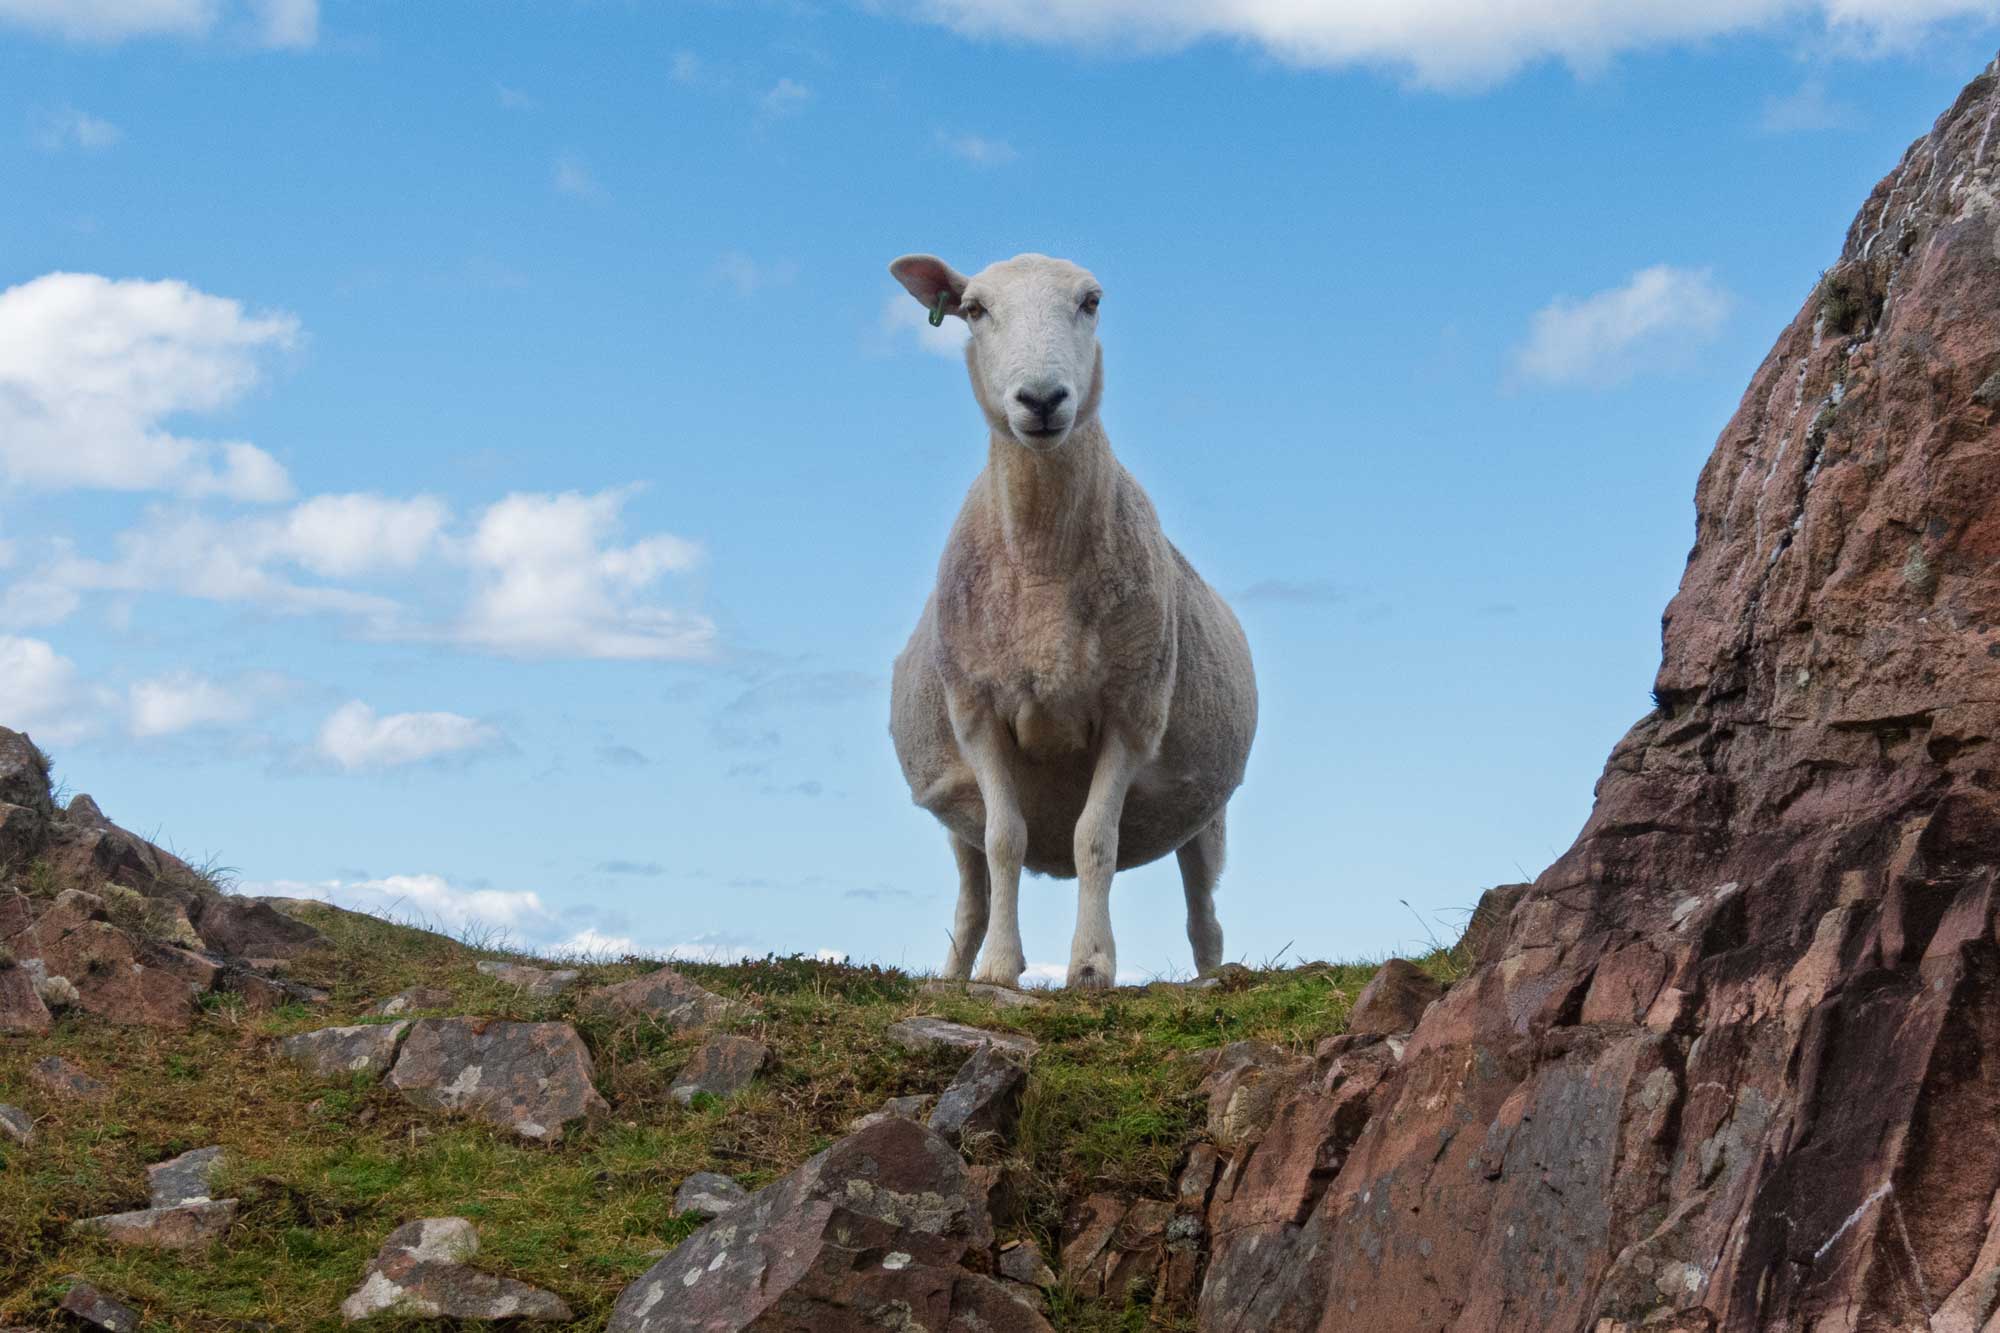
1049	505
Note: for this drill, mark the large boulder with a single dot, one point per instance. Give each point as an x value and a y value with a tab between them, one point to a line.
532	1078
873	1233
247	928
1728	1064
362	1048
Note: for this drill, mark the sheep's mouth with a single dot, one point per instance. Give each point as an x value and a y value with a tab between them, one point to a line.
1045	433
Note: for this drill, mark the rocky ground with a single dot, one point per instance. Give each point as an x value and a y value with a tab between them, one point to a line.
224	1113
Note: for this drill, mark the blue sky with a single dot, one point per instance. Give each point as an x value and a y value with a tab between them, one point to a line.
470	459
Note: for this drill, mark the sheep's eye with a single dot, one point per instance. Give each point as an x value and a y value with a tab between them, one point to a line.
972	310
1090	302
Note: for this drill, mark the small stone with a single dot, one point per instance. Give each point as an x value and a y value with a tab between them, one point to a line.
708	1194
408	1001
184	1226
1394	1000
532	1078
913	1107
1000	997
723	1067
536	981
1988	394
984	1099
16	1124
368	1048
1021	1261
422	1271
929	1034
184	1179
667	997
63	1079
98	1310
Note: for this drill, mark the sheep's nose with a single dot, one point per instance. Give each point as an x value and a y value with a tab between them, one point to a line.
1043	403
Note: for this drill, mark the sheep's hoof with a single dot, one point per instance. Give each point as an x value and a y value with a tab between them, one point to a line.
1001	973
1097	974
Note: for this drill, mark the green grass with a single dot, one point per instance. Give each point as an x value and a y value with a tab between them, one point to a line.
325	1169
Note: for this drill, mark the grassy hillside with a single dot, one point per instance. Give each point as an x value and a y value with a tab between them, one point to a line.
326	1169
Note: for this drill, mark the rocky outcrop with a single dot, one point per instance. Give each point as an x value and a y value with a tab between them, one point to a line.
937	1034
1733	1061
665	997
366	1048
539	982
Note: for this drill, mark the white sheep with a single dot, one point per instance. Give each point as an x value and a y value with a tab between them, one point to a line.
1075	699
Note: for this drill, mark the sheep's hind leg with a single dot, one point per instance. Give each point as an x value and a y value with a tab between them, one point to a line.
969	926
1201	866
1093	955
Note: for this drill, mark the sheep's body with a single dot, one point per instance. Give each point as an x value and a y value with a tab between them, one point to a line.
1075	699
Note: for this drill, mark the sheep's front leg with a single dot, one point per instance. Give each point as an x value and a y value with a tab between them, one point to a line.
985	748
968	928
1093	956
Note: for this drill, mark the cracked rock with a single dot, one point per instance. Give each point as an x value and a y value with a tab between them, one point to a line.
984	1099
930	1034
536	981
185	1226
666	997
723	1067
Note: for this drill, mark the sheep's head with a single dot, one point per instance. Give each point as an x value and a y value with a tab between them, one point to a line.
1037	370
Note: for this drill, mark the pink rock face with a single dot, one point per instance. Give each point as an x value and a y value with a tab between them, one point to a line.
532	1078
1393	1000
1728	1064
21	1008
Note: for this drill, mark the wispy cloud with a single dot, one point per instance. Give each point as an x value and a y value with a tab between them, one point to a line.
66	127
784	97
269	23
644	869
1807	108
44	694
622	756
514	99
1656	318
977	149
1296	592
574	179
426	898
750	276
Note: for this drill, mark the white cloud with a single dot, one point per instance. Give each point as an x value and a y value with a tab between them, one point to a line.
357	739
591	943
183	700
514	99
430	899
1439	43
903	317
340	536
91	369
43	694
574	179
68	127
1602	339
1809	108
287	23
785	97
549	583
279	23
197	556
977	149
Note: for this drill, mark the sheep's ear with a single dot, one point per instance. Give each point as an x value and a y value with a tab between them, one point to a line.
927	278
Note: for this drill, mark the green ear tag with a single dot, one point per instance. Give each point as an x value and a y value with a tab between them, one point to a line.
937	310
